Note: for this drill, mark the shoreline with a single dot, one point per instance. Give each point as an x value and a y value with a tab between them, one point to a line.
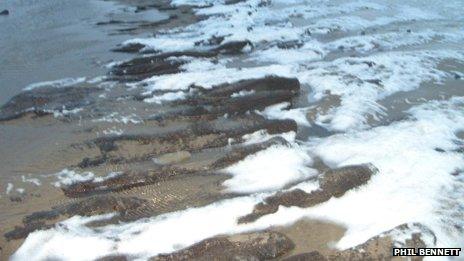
196	126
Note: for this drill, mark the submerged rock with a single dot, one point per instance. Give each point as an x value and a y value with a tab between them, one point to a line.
250	246
46	100
333	183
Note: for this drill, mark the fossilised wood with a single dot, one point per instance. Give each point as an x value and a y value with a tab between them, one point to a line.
45	100
125	181
311	256
144	67
126	206
333	183
251	246
130	180
199	136
218	101
269	83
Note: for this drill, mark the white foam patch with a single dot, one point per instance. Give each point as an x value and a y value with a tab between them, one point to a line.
65	82
213	77
140	239
68	177
242	93
64	112
109	176
51	244
234	22
269	170
280	112
414	183
263	135
310	52
118	118
113	131
394	40
359	85
307	186
34	181
9	188
166	97
362	81
257	22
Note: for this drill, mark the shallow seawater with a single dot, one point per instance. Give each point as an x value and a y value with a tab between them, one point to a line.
43	40
383	84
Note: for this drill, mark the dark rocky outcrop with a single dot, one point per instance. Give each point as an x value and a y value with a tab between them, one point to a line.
5	12
333	183
42	101
250	246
